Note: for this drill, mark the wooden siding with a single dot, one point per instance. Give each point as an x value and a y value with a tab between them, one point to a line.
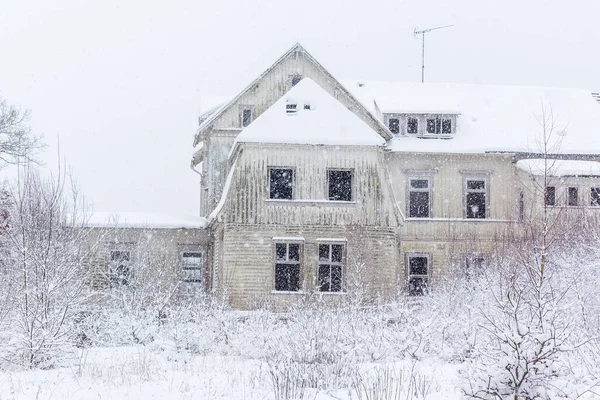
249	203
248	262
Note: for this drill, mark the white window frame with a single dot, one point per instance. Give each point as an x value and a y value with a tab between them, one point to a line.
287	261
329	262
409	189
246	108
476	176
408	118
441	118
425	277
568	189
187	266
471	272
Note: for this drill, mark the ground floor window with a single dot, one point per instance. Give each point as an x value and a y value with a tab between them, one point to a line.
418	273
191	266
287	267
475	264
595	196
331	267
119	266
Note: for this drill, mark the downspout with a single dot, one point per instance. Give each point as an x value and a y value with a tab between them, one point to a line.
201	177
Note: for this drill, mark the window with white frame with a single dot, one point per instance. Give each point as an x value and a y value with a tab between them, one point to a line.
287	266
119	266
394	125
572	196
412	125
191	266
419	197
281	183
476	197
331	267
595	197
339	184
418	273
246	115
475	264
439	126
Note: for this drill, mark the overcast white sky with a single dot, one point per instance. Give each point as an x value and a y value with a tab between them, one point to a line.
120	81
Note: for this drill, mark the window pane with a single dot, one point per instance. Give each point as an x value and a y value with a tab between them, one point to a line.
419	205
550	196
280	251
281	184
294	252
475	185
417	286
296	79
431	126
412	126
324	278
438	125
336	278
119	256
419	183
337	252
475	205
573	198
246	117
340	185
417	266
191	259
323	252
446	126
595	197
394	125
287	277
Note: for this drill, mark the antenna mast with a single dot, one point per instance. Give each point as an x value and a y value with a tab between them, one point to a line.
422	33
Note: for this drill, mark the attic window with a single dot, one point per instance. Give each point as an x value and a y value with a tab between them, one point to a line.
394	125
291	108
439	125
296	79
246	115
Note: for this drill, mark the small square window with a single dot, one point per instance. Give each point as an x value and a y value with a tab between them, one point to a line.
287	267
340	185
550	195
394	125
281	183
412	125
572	197
595	197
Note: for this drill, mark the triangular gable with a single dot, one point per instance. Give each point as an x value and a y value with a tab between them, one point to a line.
308	114
380	128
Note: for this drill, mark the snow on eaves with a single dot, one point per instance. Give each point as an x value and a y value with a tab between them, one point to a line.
559	167
319	120
144	220
490	118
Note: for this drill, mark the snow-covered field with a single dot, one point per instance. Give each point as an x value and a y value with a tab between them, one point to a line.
147	372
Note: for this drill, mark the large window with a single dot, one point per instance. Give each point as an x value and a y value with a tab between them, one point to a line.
120	267
340	185
287	267
595	196
550	195
439	125
412	125
418	273
475	198
331	267
572	197
281	183
191	266
419	198
394	125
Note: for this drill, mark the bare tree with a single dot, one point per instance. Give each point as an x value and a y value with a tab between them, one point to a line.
17	144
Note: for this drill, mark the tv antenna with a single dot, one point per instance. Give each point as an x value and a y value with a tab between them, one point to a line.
422	33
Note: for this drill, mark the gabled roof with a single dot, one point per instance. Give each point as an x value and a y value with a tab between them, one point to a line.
316	118
491	118
383	131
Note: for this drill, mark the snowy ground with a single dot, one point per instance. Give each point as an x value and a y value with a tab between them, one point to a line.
143	373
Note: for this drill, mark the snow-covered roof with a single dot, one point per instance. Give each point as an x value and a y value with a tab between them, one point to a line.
491	118
326	122
560	167
144	220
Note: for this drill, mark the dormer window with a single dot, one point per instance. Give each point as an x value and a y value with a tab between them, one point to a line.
439	125
412	125
394	125
291	108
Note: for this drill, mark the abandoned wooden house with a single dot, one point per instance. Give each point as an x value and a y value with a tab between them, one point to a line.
315	187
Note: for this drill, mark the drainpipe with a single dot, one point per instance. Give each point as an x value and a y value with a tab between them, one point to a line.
201	177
